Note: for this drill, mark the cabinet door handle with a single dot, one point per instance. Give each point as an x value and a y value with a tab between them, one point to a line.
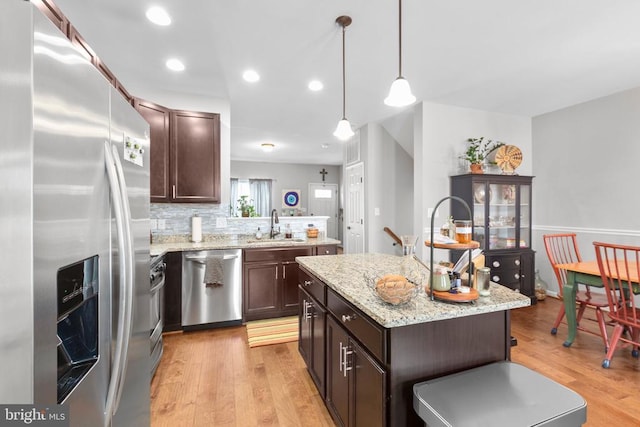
340	363
348	317
346	366
304	309
517	262
496	264
173	191
516	276
284	272
308	310
306	283
495	279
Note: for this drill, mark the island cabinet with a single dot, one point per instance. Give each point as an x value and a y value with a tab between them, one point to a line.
356	382
311	328
371	365
270	282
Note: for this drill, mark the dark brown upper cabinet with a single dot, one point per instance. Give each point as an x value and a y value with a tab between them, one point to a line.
195	157
185	154
158	118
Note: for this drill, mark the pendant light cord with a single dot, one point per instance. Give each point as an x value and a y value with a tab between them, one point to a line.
344	96
399	38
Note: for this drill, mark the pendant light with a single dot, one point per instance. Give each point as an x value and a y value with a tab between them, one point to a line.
400	93
343	132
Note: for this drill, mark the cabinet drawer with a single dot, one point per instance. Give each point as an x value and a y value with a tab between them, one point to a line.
504	262
271	254
313	287
326	249
370	334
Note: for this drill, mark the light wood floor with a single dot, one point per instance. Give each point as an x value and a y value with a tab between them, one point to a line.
212	378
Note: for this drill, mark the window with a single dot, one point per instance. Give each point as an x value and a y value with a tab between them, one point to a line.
322	193
258	191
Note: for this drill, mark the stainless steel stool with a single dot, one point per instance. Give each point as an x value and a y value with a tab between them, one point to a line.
501	394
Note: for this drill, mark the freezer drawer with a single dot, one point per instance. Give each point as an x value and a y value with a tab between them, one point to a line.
211	288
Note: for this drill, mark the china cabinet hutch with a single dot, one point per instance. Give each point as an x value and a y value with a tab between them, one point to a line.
501	210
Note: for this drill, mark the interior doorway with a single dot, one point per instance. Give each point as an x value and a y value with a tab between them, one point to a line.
323	201
354	234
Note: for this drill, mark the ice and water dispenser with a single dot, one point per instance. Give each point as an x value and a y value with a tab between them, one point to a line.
77	300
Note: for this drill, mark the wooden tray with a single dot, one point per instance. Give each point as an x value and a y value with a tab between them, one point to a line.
447	296
471	245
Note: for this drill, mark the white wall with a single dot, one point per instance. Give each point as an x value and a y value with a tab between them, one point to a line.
285	176
388	189
585	162
445	130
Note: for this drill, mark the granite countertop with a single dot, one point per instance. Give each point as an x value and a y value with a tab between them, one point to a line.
351	276
180	243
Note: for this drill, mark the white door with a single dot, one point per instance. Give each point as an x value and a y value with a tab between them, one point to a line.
355	209
323	201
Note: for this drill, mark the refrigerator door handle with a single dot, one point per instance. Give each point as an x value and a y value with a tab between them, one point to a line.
129	278
125	252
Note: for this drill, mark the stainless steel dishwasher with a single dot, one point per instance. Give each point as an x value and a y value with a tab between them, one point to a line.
207	302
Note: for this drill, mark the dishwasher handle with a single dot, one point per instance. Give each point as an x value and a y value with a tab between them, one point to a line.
201	260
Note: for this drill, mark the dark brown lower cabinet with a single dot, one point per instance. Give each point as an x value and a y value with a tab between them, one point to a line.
311	342
356	383
270	282
172	312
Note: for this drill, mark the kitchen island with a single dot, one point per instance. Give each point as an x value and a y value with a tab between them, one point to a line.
365	355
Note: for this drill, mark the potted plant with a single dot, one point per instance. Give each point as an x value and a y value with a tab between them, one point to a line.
477	152
246	207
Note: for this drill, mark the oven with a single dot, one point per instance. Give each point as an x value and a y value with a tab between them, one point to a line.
157	279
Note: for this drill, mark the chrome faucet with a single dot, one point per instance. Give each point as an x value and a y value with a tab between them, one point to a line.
274	220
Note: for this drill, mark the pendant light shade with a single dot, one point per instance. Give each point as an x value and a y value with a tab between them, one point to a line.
400	93
343	131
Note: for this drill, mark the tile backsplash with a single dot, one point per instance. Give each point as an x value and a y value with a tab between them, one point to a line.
173	219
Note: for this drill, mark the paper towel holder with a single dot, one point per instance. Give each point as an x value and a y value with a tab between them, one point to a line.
196	228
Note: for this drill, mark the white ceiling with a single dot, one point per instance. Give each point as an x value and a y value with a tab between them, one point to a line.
524	57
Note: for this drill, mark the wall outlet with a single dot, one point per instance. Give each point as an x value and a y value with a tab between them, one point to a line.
162	224
376	211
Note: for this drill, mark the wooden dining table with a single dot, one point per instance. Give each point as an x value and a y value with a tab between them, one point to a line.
587	273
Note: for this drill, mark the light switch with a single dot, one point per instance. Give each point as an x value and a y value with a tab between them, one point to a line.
376	211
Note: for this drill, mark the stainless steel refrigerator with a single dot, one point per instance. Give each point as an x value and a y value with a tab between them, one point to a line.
74	231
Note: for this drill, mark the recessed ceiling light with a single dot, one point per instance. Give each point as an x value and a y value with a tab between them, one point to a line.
315	85
325	146
158	16
267	147
251	76
175	64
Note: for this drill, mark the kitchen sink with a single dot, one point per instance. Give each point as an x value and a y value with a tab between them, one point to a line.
276	241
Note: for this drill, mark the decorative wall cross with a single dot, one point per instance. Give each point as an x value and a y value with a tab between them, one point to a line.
323	173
